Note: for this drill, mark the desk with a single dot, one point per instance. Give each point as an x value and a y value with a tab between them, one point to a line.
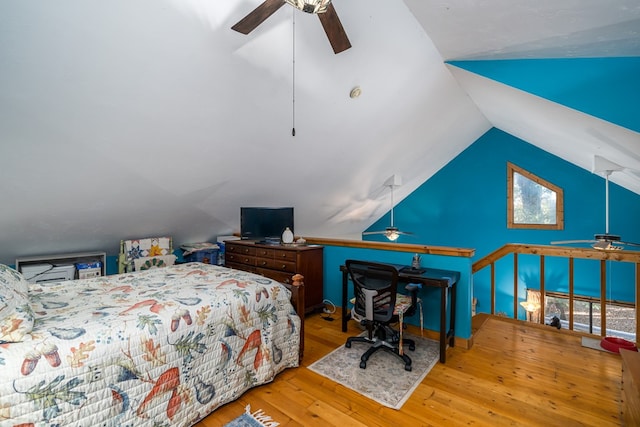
431	277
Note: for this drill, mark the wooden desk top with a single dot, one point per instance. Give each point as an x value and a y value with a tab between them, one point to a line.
427	276
449	277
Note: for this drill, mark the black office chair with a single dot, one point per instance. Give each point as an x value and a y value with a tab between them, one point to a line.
376	302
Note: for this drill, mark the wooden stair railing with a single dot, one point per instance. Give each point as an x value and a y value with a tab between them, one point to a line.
571	253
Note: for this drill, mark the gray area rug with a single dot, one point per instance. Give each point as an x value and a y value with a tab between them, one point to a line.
252	419
384	380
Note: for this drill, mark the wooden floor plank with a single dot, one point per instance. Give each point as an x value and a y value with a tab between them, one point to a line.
515	374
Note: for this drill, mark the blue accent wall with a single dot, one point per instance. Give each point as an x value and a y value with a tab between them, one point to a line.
608	88
465	205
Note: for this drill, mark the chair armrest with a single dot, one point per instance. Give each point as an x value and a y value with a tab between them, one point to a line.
413	287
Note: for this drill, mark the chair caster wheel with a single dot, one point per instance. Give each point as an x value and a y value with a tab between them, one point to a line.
363	365
347	344
412	347
407	368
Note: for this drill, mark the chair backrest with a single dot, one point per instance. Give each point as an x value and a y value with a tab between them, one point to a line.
375	287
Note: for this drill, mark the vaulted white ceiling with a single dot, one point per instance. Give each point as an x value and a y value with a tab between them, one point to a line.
129	119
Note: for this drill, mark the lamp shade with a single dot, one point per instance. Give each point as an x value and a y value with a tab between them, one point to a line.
530	306
310	6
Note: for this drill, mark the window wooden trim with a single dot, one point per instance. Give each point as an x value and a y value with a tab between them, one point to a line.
559	224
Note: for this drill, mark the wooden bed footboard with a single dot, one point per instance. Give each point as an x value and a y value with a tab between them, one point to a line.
297	299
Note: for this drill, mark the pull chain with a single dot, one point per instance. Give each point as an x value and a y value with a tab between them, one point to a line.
293	92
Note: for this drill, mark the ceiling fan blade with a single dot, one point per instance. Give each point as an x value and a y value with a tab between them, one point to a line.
258	16
564	242
335	32
388	231
629	243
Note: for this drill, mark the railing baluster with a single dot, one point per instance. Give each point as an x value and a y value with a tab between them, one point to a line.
541	320
603	298
515	286
571	294
636	299
493	288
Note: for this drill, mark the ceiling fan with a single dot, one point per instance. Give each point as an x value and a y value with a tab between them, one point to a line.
606	241
323	8
392	232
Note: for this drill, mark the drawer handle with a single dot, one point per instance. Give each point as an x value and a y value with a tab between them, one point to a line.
246	260
246	251
284	266
264	263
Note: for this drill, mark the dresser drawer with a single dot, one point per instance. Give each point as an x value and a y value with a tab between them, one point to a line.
238	266
278	276
265	252
285	255
241	259
284	266
276	264
237	249
265	262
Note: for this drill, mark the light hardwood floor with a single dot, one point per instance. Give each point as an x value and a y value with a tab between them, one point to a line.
515	374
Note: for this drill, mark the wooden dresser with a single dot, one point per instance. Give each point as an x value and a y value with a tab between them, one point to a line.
630	387
280	262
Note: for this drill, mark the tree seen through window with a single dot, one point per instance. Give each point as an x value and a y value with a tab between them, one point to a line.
533	202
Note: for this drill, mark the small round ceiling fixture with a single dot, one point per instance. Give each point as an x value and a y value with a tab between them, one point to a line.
355	92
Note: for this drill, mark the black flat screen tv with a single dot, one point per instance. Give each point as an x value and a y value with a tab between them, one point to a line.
264	224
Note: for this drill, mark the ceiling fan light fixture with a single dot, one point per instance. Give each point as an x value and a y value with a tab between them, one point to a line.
392	234
310	6
605	246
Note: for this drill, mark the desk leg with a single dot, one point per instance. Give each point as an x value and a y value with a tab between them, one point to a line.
443	324
452	327
345	289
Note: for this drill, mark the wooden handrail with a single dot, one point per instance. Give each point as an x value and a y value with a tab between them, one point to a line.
391	246
558	251
566	252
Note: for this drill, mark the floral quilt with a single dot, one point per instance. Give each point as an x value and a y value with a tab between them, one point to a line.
160	347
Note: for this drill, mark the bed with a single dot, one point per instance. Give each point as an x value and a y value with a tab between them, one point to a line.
161	347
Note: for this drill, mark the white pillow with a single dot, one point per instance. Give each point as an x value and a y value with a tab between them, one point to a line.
16	316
